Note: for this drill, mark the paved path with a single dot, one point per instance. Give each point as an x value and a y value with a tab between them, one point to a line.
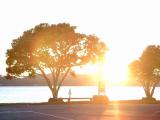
80	112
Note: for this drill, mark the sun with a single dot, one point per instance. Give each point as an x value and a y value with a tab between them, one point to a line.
115	69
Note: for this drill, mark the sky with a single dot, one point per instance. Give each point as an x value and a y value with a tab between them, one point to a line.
126	26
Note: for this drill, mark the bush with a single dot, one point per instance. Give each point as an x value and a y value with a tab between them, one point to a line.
100	99
148	100
55	101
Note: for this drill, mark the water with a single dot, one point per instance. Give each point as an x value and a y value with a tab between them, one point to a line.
35	94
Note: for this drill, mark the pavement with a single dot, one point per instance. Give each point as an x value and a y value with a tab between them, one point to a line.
81	112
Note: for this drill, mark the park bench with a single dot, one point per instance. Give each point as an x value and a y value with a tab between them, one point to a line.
70	99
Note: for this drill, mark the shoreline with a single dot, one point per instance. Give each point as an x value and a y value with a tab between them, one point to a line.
85	102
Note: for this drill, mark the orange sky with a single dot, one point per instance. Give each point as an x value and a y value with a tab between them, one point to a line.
127	27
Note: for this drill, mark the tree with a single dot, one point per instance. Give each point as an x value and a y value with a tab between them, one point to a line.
1	77
147	69
52	48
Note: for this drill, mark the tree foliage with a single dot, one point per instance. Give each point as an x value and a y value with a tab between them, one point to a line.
55	48
147	69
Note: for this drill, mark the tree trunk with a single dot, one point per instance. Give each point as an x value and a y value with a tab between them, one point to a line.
147	92
55	93
152	91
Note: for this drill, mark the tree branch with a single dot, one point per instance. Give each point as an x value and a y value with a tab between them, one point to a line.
57	76
46	78
63	78
153	88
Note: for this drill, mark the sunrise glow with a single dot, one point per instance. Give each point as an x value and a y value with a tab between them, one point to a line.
115	69
80	59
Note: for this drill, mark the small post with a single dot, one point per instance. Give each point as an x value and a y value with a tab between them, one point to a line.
101	82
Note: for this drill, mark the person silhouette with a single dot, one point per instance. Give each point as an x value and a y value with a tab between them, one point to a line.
69	94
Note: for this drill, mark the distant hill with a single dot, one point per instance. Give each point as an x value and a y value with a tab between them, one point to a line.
79	80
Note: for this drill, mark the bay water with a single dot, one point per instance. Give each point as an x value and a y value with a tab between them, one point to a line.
36	94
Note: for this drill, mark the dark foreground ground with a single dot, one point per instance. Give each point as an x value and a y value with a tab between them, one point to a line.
80	112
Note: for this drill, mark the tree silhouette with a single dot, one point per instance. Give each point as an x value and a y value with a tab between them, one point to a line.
55	48
2	77
147	69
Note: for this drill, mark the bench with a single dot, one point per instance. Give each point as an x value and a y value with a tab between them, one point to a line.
69	99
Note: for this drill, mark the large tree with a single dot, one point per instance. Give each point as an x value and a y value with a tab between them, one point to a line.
54	49
147	69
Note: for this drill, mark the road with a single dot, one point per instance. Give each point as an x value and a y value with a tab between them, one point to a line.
81	112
